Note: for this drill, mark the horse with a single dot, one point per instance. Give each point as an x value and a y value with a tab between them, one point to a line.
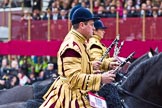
143	87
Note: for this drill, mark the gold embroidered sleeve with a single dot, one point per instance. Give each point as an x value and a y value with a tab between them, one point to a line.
105	64
77	78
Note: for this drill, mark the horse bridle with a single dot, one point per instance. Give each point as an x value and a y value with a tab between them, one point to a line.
137	97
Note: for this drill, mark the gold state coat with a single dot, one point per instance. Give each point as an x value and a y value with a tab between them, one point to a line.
76	77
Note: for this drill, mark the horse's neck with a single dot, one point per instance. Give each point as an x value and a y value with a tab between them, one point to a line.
139	70
137	61
146	80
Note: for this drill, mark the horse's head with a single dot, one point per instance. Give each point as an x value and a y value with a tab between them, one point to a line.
145	81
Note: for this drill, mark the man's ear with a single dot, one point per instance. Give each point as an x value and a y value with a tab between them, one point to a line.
81	24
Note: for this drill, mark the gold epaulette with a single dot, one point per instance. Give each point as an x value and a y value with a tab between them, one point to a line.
70	45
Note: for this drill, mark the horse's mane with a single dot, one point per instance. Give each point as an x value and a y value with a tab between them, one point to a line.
138	72
133	64
142	58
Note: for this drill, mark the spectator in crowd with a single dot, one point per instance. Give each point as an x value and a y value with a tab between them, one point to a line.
12	82
63	15
125	14
107	4
36	15
132	12
32	77
73	4
44	62
149	7
155	11
4	70
26	15
55	14
47	14
128	5
25	66
56	4
65	5
50	71
119	8
144	10
38	67
112	13
137	3
101	12
84	4
14	67
8	75
23	79
9	82
96	5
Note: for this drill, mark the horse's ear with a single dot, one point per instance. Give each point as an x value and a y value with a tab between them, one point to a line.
152	51
156	50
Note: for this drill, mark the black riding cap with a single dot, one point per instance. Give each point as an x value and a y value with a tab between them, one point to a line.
73	10
82	15
99	25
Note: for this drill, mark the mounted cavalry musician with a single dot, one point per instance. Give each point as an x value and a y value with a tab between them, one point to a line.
96	49
74	67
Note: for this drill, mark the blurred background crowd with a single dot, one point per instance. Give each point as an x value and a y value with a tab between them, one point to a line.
25	70
59	9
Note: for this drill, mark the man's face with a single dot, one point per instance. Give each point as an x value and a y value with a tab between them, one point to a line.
88	29
100	32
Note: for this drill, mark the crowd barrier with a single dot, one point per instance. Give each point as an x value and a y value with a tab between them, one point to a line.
129	29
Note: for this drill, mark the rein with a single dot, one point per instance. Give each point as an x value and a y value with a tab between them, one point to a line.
137	97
